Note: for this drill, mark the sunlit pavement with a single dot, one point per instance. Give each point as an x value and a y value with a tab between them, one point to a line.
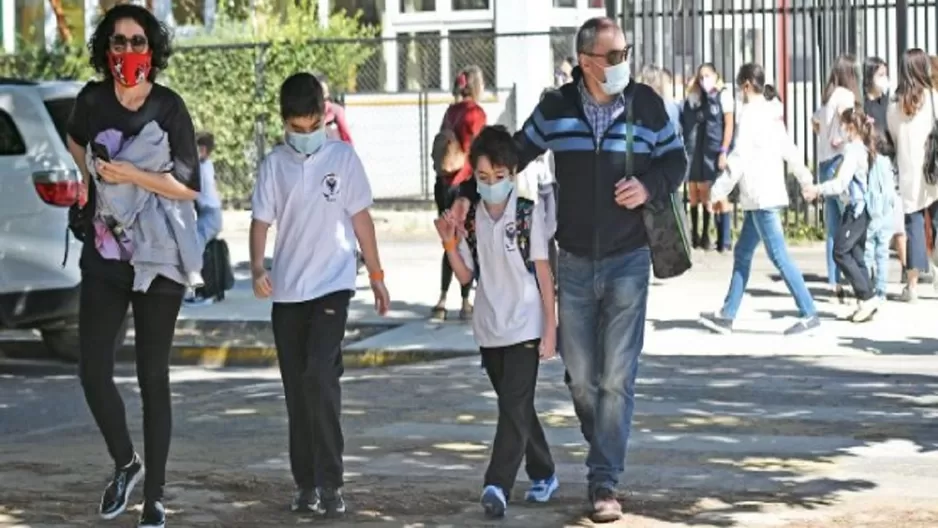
735	440
836	429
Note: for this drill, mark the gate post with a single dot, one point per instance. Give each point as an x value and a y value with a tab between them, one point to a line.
902	28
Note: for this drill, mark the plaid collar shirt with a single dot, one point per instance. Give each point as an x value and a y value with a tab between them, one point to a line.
600	117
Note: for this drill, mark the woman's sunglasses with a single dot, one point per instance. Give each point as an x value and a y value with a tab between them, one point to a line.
615	56
120	43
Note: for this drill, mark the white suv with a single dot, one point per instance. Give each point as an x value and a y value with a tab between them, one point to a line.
39	275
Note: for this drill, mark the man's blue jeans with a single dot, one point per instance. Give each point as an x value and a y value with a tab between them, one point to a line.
765	225
602	307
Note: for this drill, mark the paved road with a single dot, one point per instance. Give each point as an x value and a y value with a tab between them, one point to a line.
744	440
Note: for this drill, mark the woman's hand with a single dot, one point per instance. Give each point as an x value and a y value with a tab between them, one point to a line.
721	161
116	171
810	193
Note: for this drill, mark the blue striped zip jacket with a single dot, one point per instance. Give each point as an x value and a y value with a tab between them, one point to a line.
589	222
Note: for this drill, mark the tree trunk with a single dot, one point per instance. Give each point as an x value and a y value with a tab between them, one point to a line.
65	34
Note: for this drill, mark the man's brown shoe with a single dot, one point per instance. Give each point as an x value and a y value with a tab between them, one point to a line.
606	507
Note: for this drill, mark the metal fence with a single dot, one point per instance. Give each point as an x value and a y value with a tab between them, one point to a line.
796	41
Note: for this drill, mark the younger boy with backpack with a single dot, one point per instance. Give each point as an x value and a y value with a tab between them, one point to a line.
514	321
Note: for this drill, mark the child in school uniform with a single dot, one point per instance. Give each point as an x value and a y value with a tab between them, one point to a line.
316	191
514	321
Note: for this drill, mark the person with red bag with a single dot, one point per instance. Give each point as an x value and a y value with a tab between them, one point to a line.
462	122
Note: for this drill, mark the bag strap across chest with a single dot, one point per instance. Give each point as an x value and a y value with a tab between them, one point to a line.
524	213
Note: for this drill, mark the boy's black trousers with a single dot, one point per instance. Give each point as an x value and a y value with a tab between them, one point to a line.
513	372
308	336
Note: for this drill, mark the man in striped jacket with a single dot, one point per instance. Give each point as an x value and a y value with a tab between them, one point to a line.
604	261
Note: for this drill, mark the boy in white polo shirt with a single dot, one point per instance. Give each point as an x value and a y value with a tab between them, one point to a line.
316	191
514	320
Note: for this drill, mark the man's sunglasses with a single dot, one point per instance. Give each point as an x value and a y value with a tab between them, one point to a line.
120	43
615	56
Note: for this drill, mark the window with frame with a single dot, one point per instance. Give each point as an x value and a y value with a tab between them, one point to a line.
473	47
417	6
418	61
11	141
468	5
564	3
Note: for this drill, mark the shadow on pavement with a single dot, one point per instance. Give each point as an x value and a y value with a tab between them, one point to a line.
715	439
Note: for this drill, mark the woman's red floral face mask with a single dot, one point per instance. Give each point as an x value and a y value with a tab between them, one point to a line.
129	58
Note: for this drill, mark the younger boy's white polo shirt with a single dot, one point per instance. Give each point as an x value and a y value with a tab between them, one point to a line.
312	199
508	307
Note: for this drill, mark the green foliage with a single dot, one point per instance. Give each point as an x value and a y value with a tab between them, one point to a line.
230	79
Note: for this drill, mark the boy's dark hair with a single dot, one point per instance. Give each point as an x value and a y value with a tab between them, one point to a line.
495	143
301	96
207	140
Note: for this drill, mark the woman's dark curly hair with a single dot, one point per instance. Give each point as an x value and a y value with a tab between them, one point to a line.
158	38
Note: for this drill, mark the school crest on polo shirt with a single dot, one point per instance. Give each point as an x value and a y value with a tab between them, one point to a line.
511	234
330	186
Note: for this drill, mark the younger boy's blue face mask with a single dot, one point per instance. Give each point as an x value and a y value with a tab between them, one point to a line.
308	143
497	192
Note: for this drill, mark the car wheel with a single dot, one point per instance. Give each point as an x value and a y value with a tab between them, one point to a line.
61	340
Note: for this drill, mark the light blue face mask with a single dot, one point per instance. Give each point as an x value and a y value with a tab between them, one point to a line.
308	143
617	78
496	193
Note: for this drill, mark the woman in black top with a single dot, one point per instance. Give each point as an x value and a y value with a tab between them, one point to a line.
129	47
876	86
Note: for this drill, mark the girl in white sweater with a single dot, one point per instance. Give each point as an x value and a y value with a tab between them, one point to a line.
757	164
910	119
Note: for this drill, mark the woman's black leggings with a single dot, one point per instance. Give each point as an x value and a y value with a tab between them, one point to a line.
103	307
444	195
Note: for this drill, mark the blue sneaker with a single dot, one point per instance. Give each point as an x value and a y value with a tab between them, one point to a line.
493	502
542	490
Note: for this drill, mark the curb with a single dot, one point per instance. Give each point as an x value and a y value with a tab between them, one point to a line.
266	356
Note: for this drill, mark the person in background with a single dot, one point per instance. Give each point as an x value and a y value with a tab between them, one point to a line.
563	72
841	93
660	81
317	193
515	323
910	119
850	186
875	106
208	205
757	165
465	118
336	125
708	122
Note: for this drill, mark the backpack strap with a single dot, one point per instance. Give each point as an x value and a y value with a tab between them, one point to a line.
471	241
524	212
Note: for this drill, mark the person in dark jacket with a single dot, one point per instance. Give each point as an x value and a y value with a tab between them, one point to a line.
708	122
604	262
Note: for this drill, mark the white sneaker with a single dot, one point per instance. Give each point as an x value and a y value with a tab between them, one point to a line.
866	310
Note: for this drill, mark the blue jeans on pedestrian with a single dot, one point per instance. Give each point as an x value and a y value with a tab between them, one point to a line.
877	258
827	169
765	225
602	306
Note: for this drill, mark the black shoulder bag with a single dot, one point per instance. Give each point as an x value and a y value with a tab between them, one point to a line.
665	221
931	147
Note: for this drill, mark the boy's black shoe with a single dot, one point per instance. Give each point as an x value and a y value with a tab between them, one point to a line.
305	500
331	503
114	500
153	516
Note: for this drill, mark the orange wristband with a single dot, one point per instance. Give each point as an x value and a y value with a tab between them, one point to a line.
376	276
450	244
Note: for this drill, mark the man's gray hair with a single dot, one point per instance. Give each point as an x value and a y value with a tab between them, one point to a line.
589	32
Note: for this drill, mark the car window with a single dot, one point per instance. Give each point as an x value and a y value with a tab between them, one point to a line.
11	141
60	110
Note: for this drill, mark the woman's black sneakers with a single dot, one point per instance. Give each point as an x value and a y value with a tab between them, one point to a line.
331	503
114	500
153	516
305	500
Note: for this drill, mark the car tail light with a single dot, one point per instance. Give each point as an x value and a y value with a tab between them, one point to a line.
60	187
